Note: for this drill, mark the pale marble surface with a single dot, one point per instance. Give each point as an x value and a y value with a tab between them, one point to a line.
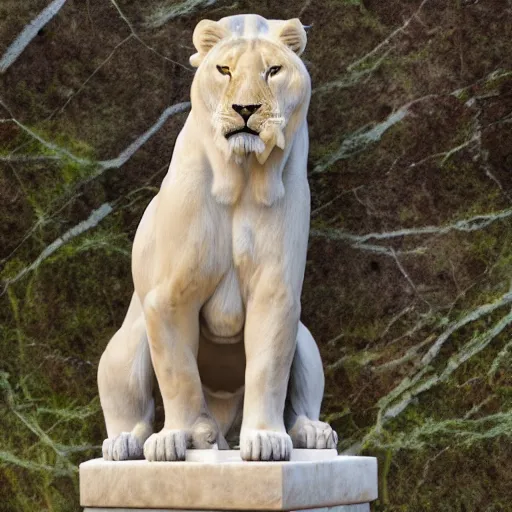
243	150
361	507
312	479
218	456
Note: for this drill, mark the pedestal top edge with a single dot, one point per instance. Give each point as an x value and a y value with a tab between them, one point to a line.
233	457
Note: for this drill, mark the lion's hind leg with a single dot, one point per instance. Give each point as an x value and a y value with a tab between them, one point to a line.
304	398
125	385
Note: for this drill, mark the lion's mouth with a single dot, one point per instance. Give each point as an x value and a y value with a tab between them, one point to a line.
245	129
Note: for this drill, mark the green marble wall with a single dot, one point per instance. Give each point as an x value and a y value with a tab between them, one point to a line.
408	286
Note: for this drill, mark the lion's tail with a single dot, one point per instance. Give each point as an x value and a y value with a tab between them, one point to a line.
141	377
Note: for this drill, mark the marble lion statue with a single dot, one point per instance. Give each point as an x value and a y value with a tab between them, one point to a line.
218	265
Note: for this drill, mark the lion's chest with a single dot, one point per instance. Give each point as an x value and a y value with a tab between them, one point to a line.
223	315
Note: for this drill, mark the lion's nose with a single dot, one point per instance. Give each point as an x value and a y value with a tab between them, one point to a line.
245	111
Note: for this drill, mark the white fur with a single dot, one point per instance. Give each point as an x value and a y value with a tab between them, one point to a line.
218	260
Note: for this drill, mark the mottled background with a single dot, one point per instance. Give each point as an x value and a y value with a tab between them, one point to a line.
408	286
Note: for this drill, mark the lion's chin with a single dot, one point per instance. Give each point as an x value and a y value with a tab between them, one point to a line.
241	144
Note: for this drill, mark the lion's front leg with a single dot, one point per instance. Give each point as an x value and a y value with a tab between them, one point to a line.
172	319
270	340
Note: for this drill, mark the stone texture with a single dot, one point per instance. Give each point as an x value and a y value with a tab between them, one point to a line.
361	507
312	479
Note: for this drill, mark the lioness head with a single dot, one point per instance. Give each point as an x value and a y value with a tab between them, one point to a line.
251	81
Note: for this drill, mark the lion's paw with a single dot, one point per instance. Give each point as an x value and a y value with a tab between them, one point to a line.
265	445
204	434
125	446
308	433
167	445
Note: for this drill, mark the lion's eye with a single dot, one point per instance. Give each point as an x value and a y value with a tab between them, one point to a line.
224	70
273	70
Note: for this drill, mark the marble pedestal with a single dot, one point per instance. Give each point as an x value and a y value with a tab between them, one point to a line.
220	480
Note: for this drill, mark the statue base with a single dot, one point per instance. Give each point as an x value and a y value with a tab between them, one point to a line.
220	480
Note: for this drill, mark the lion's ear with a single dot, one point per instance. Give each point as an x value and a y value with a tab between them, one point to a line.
293	35
206	35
